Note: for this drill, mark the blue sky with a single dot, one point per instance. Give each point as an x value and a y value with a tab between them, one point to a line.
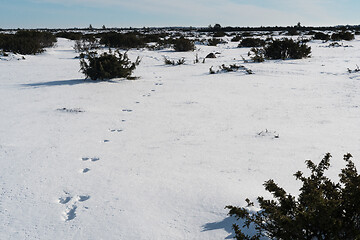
139	13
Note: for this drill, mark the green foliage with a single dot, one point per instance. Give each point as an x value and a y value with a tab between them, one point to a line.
251	42
180	61
343	35
237	38
323	210
123	40
107	65
183	45
321	36
69	35
214	41
257	54
286	48
27	41
86	44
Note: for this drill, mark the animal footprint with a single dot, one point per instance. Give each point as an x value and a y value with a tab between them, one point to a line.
70	213
127	110
64	200
85	158
83	198
158	84
106	141
115	130
85	170
94	159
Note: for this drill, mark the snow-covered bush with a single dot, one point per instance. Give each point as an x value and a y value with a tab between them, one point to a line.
323	210
107	65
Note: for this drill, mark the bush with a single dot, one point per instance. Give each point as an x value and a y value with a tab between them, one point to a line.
86	44
321	36
214	41
286	48
183	45
343	35
180	61
107	65
122	40
251	42
69	35
323	209
257	55
237	38
26	41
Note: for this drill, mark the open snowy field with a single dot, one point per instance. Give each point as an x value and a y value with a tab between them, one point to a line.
160	157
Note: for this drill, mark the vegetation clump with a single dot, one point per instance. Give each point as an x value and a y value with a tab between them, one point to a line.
251	42
321	36
342	35
183	45
286	49
230	68
180	61
26	42
107	65
323	210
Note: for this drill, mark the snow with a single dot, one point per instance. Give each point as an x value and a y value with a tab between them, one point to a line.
160	157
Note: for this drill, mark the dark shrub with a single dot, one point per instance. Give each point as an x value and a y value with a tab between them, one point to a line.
69	35
26	41
321	36
285	49
183	45
343	35
323	210
122	40
86	44
219	34
107	65
251	42
237	38
214	41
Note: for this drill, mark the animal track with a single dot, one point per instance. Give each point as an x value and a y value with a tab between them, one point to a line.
106	141
127	110
70	213
116	130
85	170
64	200
83	198
93	159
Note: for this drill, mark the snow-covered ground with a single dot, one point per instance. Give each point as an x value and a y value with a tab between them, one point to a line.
160	157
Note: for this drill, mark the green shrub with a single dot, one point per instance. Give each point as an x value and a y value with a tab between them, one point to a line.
343	35
107	65
27	41
251	42
86	44
286	48
69	35
183	45
237	38
257	55
323	210
123	40
321	36
214	41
